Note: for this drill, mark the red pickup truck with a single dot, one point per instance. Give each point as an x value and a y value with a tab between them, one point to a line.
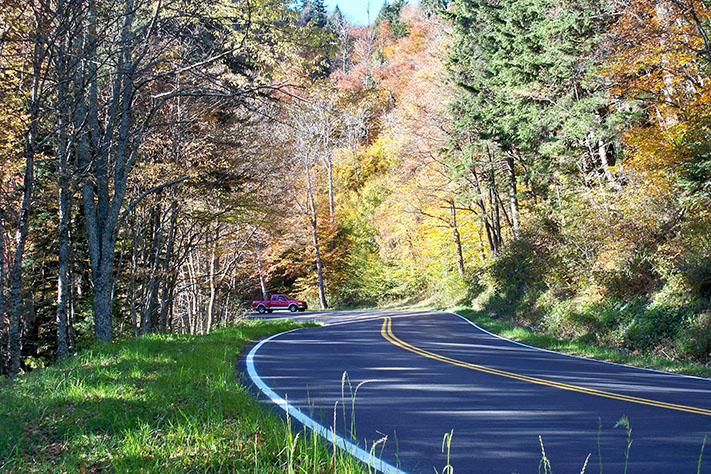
279	302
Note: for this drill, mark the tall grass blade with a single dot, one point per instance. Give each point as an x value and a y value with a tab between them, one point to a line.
626	423
585	465
701	455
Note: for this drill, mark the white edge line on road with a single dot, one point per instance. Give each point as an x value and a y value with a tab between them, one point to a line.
359	453
575	355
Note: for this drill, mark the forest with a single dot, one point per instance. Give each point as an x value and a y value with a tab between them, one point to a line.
164	162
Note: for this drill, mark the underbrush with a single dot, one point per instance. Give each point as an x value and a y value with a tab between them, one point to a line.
629	272
636	326
159	404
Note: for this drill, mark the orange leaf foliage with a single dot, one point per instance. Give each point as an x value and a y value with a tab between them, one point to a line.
658	61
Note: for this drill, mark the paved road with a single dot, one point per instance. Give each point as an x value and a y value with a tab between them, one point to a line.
424	374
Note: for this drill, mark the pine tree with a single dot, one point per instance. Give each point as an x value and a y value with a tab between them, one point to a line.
391	13
320	16
336	19
306	12
339	29
313	12
521	66
433	7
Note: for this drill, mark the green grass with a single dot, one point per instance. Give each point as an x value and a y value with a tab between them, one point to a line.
175	404
159	404
578	347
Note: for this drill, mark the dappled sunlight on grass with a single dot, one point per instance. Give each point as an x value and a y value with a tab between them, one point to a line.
155	404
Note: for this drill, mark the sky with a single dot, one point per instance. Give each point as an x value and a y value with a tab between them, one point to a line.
356	11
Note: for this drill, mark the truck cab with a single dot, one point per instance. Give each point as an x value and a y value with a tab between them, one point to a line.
279	301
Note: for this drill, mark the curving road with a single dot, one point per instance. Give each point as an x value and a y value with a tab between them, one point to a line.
423	374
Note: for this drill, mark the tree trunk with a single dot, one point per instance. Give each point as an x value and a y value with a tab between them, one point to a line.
457	237
496	221
165	277
150	302
63	288
319	272
313	219
15	310
513	195
602	152
3	306
331	201
262	283
494	207
71	336
102	302
480	202
193	292
132	284
169	298
100	210
63	238
171	303
213	290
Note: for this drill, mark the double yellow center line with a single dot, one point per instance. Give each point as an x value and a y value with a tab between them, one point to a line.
387	332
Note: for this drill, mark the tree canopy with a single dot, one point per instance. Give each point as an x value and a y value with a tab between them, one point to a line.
161	164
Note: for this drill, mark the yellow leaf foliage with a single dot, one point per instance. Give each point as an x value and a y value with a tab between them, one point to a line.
657	63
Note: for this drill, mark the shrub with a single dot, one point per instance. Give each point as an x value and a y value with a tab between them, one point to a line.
698	276
629	271
685	263
694	340
519	274
653	326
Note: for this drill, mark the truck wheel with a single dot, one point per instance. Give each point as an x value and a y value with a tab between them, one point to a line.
261	309
293	308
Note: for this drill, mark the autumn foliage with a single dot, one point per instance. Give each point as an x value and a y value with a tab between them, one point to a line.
662	64
547	161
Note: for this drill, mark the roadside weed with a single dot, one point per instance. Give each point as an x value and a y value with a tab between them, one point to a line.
701	455
585	464
382	442
447	442
544	462
626	423
599	431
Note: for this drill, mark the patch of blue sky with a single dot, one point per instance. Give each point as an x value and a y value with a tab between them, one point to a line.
356	11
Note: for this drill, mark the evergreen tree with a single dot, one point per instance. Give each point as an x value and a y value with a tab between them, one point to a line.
521	68
336	19
339	29
433	7
313	12
318	41
391	13
320	16
306	12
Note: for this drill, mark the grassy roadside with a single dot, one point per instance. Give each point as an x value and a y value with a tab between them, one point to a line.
160	404
576	347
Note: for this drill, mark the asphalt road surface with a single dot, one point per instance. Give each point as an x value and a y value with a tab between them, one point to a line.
422	374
